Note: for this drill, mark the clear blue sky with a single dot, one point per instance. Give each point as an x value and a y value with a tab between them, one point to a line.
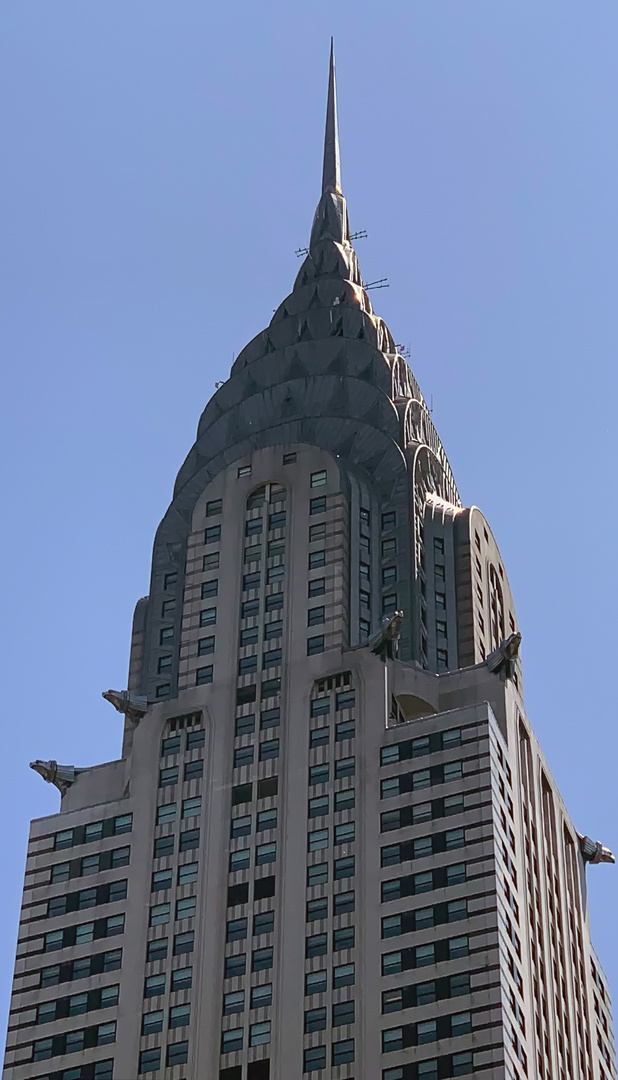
161	166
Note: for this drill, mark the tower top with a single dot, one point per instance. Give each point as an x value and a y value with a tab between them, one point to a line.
331	172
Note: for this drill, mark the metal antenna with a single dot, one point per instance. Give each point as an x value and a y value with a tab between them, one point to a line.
381	283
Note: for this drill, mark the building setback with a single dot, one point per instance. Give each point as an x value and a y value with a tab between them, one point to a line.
332	846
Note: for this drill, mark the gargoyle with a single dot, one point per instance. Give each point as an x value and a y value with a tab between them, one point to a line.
502	660
61	776
132	705
593	852
385	644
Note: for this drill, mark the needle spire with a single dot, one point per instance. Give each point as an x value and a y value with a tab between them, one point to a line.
331	173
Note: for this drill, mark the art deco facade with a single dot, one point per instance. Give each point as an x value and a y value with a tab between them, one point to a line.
331	846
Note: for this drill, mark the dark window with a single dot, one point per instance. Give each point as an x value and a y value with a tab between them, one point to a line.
244	725
166	635
251	581
274	602
345	767
247	664
168	608
214	507
211	561
250	636
264	888
315	645
209	588
269	749
196	738
389	520
273	630
150	1060
268	787
343	1013
289	459
343	868
317	532
246	694
270	687
163	690
315	616
277	521
235	965
212	535
204	675
238	894
272	658
314	1059
317	587
178	1053
270	718
205	645
343	939
194	769
249	608
189	839
163	846
317	909
315	1020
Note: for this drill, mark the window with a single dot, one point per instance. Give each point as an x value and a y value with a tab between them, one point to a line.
251	581
166	813
157	950
189	839
185	909
319	774
317	874
344	903
235	965
277	520
266	819
463	1064
270	718
161	879
177	1054
240	860
345	767
170	745
315	645
316	945
265	853
389	603
183	943
343	1052
345	730
269	748
231	1040
315	616
259	1034
154	986
262	959
243	755
150	1060
343	939
210	588
365	572
163	846
315	983
212	534
389	549
317	587
152	1022
316	559
273	630
270	688
343	976
261	996
180	1016
234	1002
289	459
274	602
314	1059
318	479
272	658
249	608
166	635
211	561
317	840
389	575
245	695
168	608
194	769
263	923
317	909
318	807
244	470
315	1020
268	787
208	616
60	872
247	664
345	834
159	914
458	947
244	725
241	826
192	807
182	979
389	520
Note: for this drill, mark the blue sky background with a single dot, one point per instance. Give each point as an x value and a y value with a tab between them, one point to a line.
161	166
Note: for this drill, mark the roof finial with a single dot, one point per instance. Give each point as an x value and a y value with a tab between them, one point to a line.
331	174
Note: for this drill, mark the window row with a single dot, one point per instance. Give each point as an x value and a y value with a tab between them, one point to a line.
434	952
87	898
164	845
315	1057
238	929
232	1040
342	800
421	779
442	1068
160	914
406	922
316	982
321	736
342	869
263	889
274	549
169	775
176	1054
85	932
250	635
266	788
157	949
168	812
76	1004
320	774
260	997
178	1016
270	658
261	960
422	847
425	744
255	525
246	695
442	877
425	993
342	834
425	1031
243	826
250	609
82	968
185	875
344	699
317	944
241	860
245	755
253	580
90	864
180	979
343	1012
413	814
172	744
93	1070
96	830
343	904
71	1042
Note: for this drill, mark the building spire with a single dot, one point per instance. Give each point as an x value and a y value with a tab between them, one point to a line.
331	173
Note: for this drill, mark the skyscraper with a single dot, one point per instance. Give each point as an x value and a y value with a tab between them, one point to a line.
331	844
